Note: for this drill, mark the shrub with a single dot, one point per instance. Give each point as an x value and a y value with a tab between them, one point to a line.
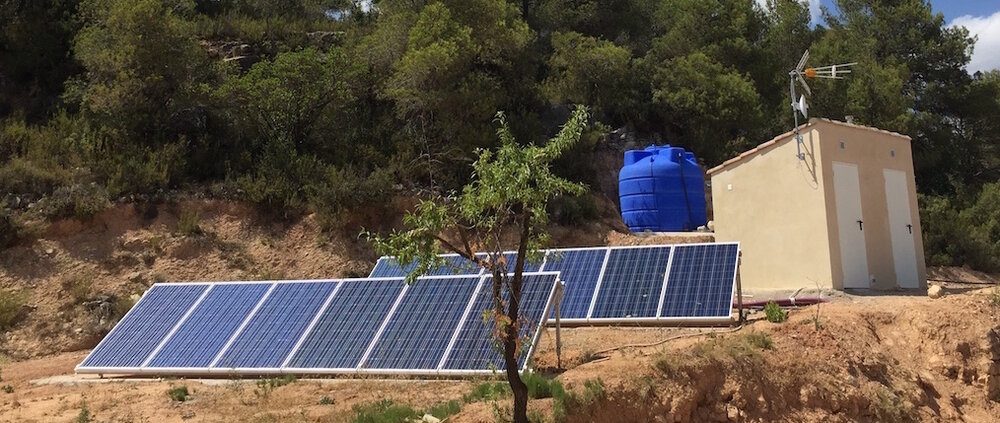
573	210
384	411
84	415
280	180
487	391
12	308
8	389
541	387
759	340
79	201
10	229
326	400
995	296
445	409
178	394
120	306
774	312
21	176
188	225
593	390
345	190
956	236
266	386
79	288
146	170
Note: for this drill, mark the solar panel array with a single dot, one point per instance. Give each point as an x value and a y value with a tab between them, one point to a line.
665	284
349	326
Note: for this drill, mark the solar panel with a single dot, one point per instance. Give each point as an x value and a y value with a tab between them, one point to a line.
606	285
388	267
631	285
417	333
701	280
346	326
474	347
273	330
132	340
580	270
200	337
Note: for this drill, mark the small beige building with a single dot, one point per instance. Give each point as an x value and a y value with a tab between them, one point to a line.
838	211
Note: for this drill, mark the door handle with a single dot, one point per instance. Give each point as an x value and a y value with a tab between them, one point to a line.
861	226
909	229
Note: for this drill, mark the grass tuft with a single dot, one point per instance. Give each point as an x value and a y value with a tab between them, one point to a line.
178	394
384	411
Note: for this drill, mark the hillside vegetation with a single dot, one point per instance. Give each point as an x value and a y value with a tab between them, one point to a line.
328	106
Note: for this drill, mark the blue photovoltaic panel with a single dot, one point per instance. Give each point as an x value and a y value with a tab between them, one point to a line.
199	339
388	267
272	332
701	281
141	331
579	270
632	282
348	325
474	347
529	266
455	265
419	331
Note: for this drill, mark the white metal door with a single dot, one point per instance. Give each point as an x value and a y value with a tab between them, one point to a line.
904	251
853	253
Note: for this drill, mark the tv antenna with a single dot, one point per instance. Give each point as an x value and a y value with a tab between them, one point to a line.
799	105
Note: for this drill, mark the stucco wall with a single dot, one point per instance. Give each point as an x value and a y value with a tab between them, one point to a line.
774	205
871	152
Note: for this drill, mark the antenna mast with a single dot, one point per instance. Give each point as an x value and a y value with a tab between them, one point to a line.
800	73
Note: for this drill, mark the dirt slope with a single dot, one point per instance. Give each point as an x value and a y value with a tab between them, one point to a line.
870	358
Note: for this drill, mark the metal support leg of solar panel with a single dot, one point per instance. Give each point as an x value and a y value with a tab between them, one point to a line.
323	327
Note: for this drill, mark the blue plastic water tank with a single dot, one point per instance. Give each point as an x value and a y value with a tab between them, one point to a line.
662	189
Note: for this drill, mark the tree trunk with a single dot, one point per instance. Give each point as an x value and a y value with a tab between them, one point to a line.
510	350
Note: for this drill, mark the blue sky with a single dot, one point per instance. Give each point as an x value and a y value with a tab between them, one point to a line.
981	17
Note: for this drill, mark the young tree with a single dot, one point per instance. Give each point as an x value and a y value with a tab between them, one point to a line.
510	189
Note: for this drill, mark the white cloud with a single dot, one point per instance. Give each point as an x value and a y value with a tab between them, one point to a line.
815	13
986	54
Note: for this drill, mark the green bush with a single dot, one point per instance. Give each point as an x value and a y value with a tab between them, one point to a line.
345	190
79	288
22	176
570	210
326	400
188	225
8	389
774	312
759	340
954	235
12	308
178	394
146	170
541	387
280	181
79	201
84	415
10	229
445	409
384	411
487	391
